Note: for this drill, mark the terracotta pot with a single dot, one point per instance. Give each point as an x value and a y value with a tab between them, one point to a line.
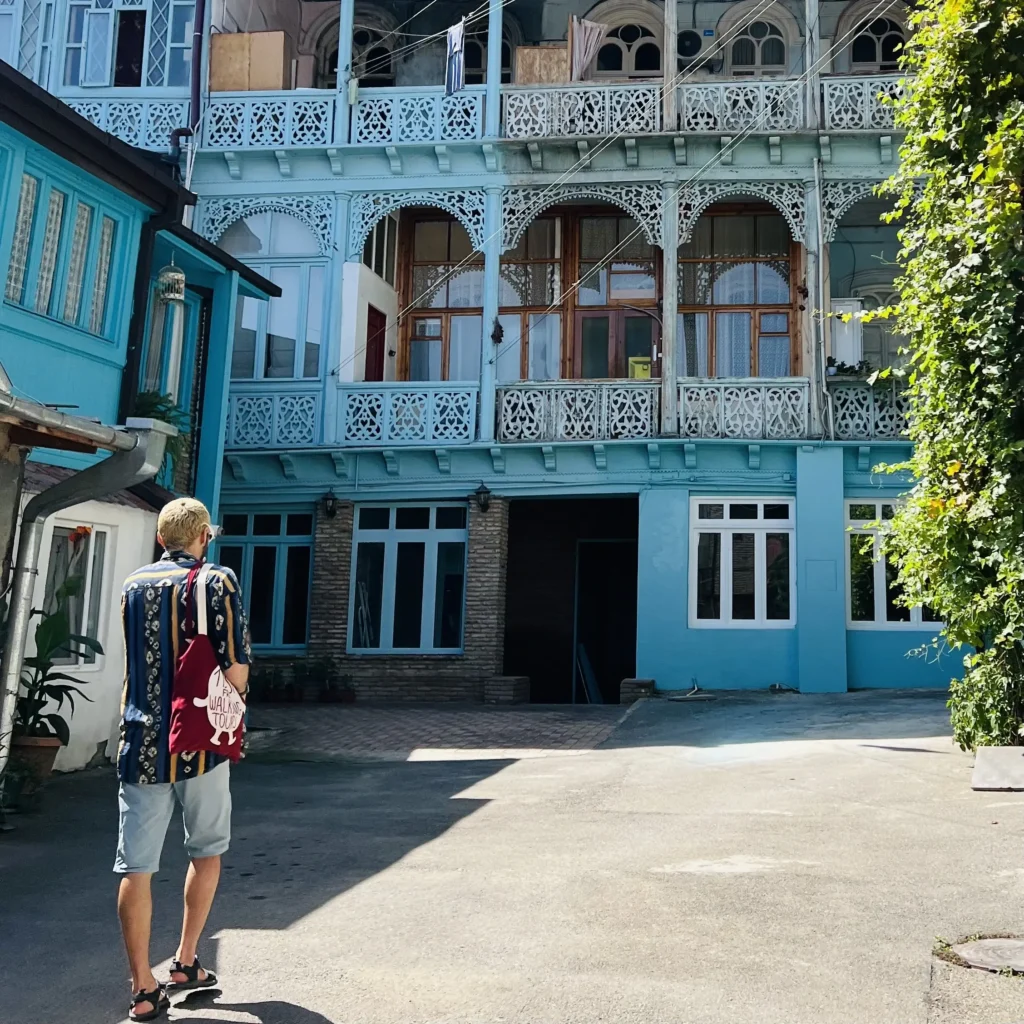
37	753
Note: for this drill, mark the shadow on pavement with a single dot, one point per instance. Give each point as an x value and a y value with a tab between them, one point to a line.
302	834
268	1012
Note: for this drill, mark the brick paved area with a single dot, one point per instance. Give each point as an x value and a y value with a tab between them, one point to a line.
427	732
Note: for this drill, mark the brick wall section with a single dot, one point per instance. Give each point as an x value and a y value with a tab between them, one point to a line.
414	677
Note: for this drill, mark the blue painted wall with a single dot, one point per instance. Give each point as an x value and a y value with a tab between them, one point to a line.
889	658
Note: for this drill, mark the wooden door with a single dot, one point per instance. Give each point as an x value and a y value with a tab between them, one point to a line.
376	329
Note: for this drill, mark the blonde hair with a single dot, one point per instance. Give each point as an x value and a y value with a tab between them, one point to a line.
180	522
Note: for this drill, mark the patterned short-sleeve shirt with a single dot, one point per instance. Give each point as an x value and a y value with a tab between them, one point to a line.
153	614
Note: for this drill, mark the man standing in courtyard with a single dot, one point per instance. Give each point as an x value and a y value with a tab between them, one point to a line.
153	780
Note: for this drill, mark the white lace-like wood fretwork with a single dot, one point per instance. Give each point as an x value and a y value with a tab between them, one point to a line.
786	196
272	421
466	205
578	411
863	413
384	116
752	409
853	104
406	413
521	206
738	106
144	123
837	197
238	121
316	212
590	110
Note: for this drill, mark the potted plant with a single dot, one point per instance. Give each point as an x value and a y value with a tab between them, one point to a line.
40	729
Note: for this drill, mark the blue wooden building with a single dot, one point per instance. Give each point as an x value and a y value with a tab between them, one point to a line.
551	389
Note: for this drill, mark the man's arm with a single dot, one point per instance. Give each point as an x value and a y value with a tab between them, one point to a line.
230	633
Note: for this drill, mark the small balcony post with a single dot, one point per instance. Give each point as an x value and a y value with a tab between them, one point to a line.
492	284
669	307
492	101
812	54
344	112
670	66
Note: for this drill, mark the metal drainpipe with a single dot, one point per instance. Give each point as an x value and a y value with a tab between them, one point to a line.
122	469
197	64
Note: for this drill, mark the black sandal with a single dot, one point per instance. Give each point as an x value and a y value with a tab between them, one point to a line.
192	976
158	999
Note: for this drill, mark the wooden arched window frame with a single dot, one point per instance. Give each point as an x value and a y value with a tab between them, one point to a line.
629	51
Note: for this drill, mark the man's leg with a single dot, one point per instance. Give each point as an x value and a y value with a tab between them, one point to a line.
145	811
206	810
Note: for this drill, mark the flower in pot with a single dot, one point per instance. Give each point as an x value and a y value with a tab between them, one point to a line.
830	366
40	727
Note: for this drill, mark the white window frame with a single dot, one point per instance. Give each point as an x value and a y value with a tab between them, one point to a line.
77	662
760	527
391	537
860	528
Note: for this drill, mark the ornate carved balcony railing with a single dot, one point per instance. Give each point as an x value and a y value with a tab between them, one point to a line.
562	111
737	106
406	413
257	420
140	117
269	120
386	116
865	412
578	410
855	104
774	409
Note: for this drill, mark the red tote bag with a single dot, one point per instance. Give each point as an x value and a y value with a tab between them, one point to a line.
207	712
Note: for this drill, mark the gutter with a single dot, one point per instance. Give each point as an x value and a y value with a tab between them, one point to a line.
138	453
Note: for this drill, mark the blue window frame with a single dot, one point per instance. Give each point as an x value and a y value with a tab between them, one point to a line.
64	254
271	553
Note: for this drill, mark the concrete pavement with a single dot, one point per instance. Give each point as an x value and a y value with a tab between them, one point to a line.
784	860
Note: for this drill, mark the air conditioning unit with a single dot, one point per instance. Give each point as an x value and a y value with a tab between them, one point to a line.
847	335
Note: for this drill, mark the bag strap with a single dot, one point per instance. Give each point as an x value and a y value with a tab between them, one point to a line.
191	605
200	599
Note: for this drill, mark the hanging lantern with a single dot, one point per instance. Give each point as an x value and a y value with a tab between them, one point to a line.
170	284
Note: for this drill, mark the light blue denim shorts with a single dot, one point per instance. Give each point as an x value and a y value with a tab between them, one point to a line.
146	811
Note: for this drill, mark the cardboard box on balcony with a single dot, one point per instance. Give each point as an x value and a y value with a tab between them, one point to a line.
246	61
542	65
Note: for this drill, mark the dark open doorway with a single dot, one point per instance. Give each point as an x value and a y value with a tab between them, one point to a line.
571	581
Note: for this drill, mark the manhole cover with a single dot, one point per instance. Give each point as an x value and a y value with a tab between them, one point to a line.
993	954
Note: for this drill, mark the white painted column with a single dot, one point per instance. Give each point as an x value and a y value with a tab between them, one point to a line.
343	114
812	322
492	103
670	64
812	54
669	306
492	282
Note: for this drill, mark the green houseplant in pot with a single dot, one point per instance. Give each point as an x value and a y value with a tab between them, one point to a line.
40	725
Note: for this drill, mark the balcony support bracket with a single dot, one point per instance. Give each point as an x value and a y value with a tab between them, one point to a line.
632	156
533	148
653	456
490	156
775	149
334	157
864	458
825	145
885	149
340	464
690	455
283	165
444	163
287	466
237	466
234	168
497	460
583	147
390	461
394	159
444	462
753	456
725	146
600	456
679	142
550	462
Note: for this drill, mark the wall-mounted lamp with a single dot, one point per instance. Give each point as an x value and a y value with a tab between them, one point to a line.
330	503
483	497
